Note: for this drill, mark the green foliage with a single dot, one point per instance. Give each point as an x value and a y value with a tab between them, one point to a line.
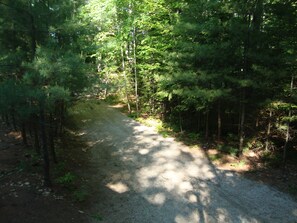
31	163
23	165
228	149
239	164
80	195
112	99
59	168
215	157
42	66
97	217
272	159
66	180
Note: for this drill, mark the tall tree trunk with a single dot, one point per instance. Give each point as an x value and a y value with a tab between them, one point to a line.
36	137
245	72
46	163
207	125
180	122
288	126
6	120
199	122
267	142
241	133
24	134
257	121
286	141
219	121
61	118
13	120
135	71
51	139
125	80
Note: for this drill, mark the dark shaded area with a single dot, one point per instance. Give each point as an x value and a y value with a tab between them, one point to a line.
23	199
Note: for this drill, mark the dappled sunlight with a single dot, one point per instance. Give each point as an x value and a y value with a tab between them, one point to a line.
158	198
185	186
142	177
192	198
118	187
194	169
92	143
143	151
81	133
86	120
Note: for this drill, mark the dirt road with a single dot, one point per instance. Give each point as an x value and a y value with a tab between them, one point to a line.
137	176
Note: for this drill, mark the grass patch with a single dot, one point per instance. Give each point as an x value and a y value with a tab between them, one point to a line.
157	124
228	149
112	99
132	115
239	164
215	157
97	217
80	195
67	180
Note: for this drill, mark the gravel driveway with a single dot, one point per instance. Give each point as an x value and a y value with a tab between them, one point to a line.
137	176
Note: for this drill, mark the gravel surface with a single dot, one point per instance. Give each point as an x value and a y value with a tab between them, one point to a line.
136	175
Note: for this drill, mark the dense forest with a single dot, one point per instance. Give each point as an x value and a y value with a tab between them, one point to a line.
222	69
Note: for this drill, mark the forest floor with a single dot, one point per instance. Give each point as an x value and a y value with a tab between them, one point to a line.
23	199
129	173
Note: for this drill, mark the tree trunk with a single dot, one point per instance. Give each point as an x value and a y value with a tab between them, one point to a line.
61	118
13	121
180	122
51	140
288	126
24	134
36	138
245	72
219	122
268	131
135	71
241	127
257	122
6	120
199	122
206	125
125	80
286	142
46	163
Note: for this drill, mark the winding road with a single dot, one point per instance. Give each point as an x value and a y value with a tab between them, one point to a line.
137	176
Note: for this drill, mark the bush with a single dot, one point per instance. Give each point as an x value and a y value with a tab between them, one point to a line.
228	149
67	179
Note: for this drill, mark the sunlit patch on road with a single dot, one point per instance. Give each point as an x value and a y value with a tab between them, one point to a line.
118	187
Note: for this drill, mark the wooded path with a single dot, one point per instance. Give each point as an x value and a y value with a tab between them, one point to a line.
136	175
